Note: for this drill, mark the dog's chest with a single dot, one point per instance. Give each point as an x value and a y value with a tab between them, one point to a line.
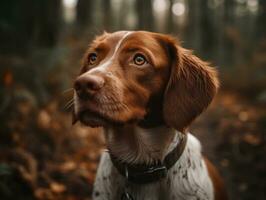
187	179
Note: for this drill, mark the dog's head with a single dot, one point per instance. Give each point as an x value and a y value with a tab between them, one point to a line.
144	78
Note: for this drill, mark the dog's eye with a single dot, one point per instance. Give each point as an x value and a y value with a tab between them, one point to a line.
92	58
139	59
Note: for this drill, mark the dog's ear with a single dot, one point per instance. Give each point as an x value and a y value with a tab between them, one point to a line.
191	86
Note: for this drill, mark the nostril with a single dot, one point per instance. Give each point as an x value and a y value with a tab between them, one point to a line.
91	86
87	86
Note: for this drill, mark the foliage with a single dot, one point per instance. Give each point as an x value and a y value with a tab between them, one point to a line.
43	157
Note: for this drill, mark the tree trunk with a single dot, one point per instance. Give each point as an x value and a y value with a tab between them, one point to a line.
170	20
29	23
107	15
48	20
207	30
261	25
145	14
84	13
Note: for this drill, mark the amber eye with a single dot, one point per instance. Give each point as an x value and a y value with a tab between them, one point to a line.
139	59
92	58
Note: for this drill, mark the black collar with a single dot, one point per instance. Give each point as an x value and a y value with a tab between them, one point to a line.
142	173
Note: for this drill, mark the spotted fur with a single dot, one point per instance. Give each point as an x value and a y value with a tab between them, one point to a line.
144	109
188	179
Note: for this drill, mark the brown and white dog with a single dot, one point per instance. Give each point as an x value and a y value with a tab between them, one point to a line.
144	89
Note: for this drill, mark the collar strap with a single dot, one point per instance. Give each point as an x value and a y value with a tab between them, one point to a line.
142	173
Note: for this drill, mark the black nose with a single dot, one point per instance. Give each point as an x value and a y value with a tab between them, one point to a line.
88	85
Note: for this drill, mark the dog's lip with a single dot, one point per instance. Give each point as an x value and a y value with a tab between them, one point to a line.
90	118
96	119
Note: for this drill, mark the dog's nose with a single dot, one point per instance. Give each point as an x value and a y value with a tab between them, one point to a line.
87	86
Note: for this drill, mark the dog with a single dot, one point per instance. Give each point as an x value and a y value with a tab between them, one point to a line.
144	89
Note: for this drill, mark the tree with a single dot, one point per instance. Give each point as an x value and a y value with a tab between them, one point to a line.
24	24
84	12
107	14
144	14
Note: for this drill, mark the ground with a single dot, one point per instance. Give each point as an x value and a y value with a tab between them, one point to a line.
45	157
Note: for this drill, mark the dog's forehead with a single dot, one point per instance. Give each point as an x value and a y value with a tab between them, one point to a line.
115	43
109	38
143	38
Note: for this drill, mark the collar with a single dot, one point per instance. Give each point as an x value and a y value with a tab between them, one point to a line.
142	173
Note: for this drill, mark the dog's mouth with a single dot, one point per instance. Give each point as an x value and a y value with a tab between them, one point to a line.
91	119
94	119
96	114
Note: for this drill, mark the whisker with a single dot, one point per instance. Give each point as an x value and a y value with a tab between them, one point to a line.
69	104
70	101
67	90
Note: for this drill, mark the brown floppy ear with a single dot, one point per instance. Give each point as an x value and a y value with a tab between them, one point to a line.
191	87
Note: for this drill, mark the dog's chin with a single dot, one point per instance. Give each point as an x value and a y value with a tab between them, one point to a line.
94	119
91	119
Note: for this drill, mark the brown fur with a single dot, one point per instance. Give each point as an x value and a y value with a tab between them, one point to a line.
219	189
171	89
191	86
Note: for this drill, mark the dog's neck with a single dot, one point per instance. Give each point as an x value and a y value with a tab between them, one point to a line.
136	145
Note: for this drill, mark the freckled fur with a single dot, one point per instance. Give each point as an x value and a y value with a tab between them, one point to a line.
155	104
196	184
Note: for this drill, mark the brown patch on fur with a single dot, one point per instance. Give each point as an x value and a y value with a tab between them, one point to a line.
218	184
130	93
173	88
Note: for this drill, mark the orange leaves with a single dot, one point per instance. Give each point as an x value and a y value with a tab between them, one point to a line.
44	119
8	78
252	139
57	187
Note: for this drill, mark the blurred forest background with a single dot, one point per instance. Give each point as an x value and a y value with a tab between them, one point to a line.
42	156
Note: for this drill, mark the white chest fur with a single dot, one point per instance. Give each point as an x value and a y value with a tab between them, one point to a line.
188	179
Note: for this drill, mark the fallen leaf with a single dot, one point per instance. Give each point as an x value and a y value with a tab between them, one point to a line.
8	78
68	166
57	187
251	139
44	120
